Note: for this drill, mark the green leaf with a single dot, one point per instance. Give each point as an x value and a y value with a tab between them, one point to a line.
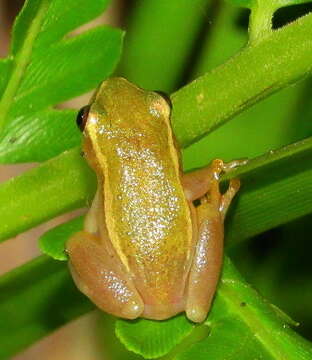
68	68
5	69
59	18
35	299
44	69
151	338
245	326
52	243
39	136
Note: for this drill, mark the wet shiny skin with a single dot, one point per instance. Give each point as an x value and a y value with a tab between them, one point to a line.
146	251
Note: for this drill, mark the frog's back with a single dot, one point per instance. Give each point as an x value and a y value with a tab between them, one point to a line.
147	215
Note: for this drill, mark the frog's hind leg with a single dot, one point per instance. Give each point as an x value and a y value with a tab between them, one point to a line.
205	270
102	277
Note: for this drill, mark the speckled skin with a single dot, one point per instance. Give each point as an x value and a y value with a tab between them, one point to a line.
144	249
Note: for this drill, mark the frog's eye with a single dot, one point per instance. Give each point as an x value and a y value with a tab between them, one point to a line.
165	97
82	117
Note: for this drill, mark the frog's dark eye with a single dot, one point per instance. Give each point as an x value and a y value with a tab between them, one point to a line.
165	97
82	117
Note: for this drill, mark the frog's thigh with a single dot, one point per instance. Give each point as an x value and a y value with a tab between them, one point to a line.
102	277
205	270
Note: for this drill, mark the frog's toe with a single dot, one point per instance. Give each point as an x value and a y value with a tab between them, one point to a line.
196	314
132	310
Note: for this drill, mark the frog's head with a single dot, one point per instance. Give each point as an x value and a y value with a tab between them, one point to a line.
120	109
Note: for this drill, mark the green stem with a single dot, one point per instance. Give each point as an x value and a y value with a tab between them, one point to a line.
62	184
21	61
253	74
274	192
260	21
285	153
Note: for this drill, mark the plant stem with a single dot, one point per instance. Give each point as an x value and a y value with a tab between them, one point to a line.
62	184
285	153
260	21
251	75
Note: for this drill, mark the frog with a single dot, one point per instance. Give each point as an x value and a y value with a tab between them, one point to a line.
152	241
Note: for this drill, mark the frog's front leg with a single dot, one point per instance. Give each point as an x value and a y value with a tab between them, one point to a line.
207	262
101	276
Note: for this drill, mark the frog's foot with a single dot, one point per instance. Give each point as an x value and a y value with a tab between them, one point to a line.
198	183
102	277
227	197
